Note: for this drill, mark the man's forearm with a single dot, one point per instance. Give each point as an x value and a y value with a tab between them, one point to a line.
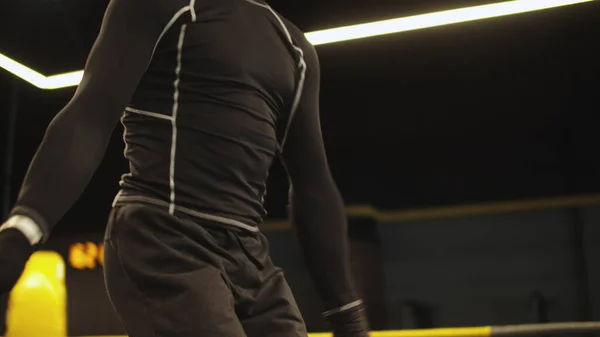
69	155
321	225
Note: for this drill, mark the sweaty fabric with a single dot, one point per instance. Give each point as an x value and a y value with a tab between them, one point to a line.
173	277
209	92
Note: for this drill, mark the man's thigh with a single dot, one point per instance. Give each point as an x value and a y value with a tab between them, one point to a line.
155	294
274	312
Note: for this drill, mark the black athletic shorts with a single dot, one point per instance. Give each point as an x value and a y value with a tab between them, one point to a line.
176	277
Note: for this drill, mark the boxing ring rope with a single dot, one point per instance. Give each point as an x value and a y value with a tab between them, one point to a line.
485	331
40	294
453	211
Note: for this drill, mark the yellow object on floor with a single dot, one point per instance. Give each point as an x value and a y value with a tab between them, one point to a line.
37	304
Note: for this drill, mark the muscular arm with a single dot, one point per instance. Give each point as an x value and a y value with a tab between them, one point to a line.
76	140
316	205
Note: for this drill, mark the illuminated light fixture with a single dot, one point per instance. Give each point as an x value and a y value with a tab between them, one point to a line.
63	80
337	34
22	71
39	80
434	19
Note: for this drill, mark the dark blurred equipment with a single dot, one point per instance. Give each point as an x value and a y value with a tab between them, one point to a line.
416	315
539	307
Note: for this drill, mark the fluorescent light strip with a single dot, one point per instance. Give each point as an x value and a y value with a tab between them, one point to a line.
63	80
337	34
22	71
434	19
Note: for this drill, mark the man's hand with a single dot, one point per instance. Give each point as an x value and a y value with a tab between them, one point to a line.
349	323
15	250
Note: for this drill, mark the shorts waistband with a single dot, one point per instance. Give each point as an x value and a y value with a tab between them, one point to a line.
124	199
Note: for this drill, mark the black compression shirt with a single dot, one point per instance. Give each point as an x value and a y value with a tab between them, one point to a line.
209	93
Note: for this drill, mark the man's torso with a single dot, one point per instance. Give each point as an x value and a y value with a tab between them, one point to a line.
203	127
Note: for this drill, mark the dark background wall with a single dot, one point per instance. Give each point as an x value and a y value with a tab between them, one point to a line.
484	269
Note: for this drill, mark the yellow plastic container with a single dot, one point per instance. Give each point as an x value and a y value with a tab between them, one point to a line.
38	306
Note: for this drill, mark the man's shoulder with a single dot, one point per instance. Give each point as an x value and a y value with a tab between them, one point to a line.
297	34
166	8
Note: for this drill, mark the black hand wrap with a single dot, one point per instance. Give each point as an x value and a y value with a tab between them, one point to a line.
349	323
15	251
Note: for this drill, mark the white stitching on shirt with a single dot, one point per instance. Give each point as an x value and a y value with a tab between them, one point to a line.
172	22
174	118
193	10
148	113
125	148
